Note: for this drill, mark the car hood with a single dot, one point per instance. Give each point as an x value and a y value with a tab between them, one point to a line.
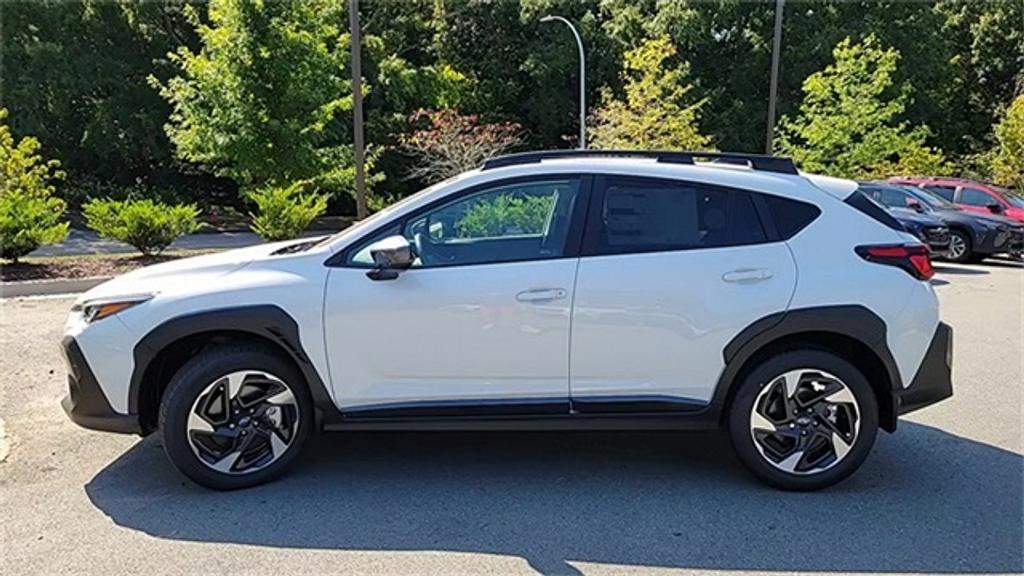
186	273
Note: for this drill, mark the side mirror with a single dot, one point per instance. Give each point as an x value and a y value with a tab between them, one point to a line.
390	256
995	208
915	206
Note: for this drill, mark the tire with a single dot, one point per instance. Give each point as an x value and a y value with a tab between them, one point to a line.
769	445
269	420
958	238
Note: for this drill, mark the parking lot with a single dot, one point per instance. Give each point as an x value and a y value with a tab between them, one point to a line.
943	494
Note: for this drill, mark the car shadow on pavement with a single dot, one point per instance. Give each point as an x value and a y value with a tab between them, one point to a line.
959	270
925	501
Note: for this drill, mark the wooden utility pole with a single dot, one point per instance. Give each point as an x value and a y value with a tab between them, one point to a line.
357	108
773	90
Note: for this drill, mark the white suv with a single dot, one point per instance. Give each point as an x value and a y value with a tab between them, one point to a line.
549	290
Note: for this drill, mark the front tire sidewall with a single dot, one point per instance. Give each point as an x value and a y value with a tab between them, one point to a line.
192	379
742	403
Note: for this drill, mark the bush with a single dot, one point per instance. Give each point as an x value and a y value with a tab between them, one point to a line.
29	214
285	211
519	214
147	225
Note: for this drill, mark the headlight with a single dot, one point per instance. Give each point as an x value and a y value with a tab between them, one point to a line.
100	308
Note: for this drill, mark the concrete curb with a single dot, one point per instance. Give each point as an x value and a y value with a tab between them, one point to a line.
48	287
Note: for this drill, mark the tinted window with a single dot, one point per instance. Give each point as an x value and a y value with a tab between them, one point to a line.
523	221
945	192
745	226
975	197
862	202
641	215
790	216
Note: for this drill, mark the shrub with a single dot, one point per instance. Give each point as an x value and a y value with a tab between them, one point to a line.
29	214
147	225
285	211
506	214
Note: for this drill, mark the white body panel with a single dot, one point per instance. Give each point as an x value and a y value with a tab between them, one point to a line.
449	333
656	323
249	276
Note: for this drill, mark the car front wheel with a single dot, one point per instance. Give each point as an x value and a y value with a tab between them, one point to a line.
959	247
235	416
803	420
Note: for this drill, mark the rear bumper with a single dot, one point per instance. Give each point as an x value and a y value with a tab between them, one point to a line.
85	402
933	382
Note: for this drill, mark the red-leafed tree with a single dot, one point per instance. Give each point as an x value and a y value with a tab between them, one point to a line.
446	143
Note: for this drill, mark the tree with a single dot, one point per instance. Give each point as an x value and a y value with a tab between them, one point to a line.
29	214
74	76
657	111
1008	160
265	99
850	123
446	143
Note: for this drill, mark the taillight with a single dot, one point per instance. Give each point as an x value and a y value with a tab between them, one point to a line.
914	258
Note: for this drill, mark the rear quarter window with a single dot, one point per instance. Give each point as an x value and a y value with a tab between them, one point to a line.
866	205
790	216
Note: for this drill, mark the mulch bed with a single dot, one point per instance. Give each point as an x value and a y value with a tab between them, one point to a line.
66	267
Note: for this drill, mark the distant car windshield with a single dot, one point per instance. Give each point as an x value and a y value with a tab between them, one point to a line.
930	199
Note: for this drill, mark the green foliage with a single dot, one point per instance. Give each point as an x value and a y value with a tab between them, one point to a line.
849	123
506	214
285	211
1008	157
75	75
29	214
657	112
147	225
257	90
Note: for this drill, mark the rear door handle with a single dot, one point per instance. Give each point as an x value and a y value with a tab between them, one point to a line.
541	295
747	275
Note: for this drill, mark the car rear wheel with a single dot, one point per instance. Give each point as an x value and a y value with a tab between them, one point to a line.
235	416
803	420
959	246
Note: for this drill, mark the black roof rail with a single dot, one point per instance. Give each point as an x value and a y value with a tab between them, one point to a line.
777	164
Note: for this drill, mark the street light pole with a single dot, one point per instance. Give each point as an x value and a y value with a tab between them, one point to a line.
357	108
583	77
773	90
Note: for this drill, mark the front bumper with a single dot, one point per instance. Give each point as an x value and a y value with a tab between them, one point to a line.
85	402
933	382
1005	239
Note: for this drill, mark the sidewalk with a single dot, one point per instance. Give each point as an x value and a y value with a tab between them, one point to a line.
88	242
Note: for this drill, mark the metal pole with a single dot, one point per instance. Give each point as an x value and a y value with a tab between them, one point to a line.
583	77
357	108
773	90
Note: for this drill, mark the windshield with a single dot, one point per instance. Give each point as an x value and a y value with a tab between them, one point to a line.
930	199
377	217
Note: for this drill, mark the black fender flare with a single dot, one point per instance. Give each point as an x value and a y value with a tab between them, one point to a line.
266	321
851	321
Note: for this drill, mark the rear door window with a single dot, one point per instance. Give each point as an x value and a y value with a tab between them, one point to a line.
975	197
946	192
652	215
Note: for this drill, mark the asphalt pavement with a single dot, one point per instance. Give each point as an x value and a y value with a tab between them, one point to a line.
945	494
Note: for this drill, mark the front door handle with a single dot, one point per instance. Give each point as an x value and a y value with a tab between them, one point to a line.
541	295
747	275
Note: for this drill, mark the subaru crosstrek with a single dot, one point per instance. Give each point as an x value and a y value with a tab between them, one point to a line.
543	291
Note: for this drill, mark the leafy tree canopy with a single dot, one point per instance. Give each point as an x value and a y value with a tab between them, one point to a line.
657	110
1008	163
850	124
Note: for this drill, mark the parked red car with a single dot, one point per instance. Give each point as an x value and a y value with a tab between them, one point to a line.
970	195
